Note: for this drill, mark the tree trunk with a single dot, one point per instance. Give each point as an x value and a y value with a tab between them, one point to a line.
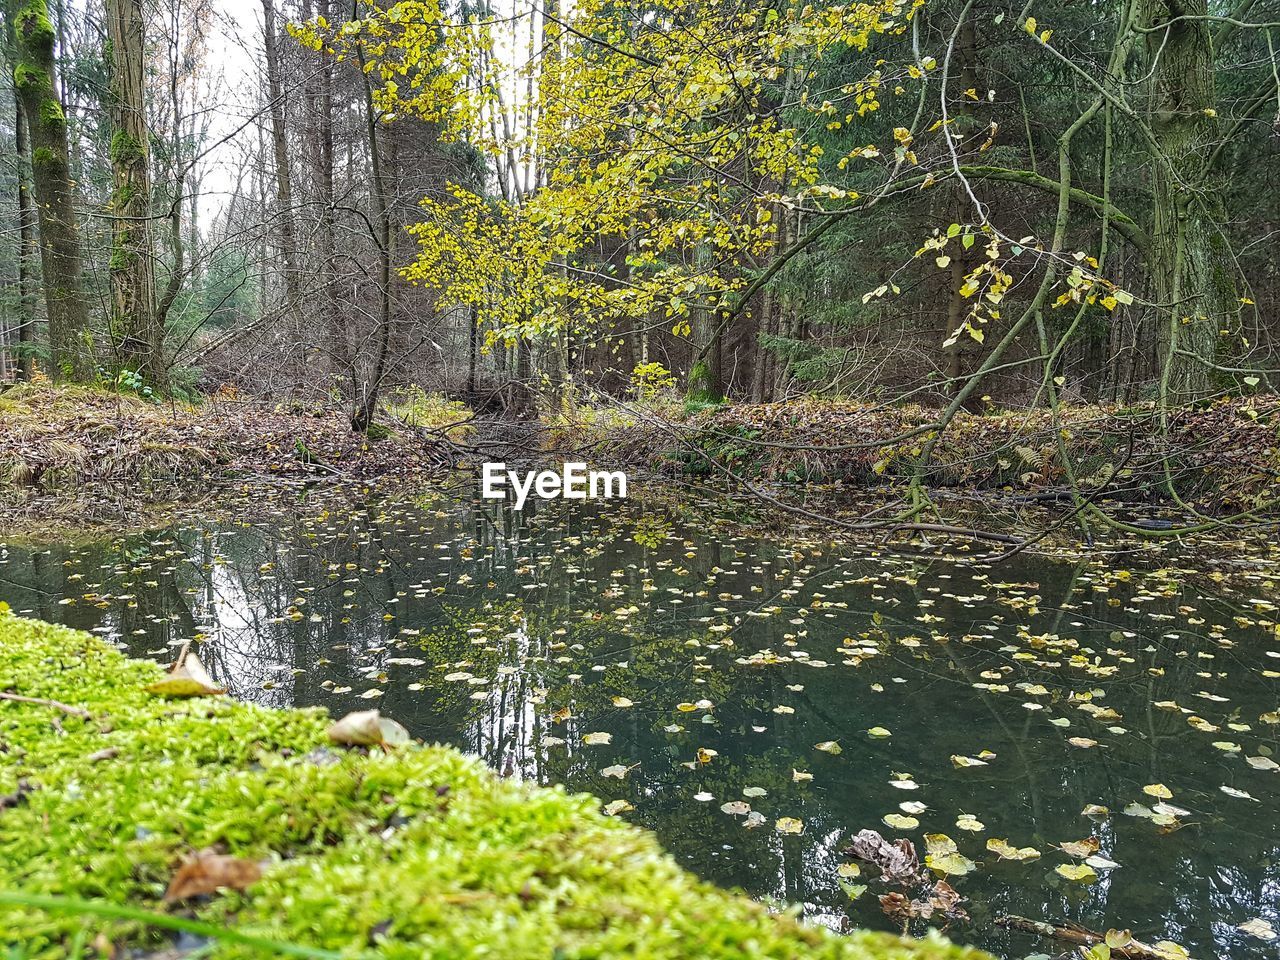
367	399
280	150
705	380
1194	282
959	353
473	349
323	158
26	249
60	252
760	353
136	333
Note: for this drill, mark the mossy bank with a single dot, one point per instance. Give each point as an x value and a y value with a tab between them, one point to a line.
420	852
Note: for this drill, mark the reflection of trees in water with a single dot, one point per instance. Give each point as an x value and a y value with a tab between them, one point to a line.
301	602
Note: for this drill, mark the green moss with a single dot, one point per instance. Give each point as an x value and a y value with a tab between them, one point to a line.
121	259
51	112
25	77
419	853
45	161
701	384
33	24
124	148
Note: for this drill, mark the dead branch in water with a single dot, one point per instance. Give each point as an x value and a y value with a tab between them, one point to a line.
1123	943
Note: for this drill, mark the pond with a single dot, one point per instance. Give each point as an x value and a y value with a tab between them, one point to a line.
757	699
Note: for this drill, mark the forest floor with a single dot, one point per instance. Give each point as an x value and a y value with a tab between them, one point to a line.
1221	458
81	455
134	811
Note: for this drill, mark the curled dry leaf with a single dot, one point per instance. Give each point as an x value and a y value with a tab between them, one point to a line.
897	861
1080	848
368	728
207	872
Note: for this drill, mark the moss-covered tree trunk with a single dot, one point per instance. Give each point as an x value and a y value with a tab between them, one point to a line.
1194	281
26	250
137	334
34	76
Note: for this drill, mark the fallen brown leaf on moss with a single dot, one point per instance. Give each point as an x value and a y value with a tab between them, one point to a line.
208	872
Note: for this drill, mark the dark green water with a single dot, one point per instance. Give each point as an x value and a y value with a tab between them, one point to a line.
515	636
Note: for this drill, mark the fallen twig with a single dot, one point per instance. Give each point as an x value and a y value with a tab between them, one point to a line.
54	704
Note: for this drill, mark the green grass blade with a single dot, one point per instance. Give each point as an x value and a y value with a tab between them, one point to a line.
74	907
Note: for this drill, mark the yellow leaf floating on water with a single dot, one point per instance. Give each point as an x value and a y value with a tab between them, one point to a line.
368	728
1158	790
1077	872
828	746
879	733
971	823
900	822
187	679
944	857
788	825
615	807
597	739
1007	851
960	761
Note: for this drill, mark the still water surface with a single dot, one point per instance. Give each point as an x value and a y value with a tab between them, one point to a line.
835	684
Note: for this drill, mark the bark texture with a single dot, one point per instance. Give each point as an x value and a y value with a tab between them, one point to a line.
1190	265
137	334
61	256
